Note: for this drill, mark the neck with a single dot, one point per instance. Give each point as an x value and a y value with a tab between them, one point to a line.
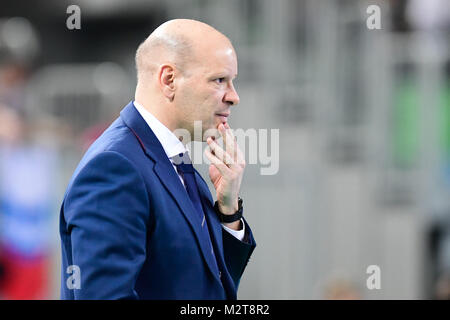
157	107
160	110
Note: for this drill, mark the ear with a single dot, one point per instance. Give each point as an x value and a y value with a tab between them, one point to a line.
167	80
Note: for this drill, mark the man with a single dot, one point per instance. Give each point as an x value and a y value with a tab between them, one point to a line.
137	221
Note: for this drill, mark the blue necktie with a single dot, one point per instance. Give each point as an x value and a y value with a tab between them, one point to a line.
184	167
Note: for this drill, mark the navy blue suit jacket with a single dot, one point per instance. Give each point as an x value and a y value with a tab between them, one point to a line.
128	224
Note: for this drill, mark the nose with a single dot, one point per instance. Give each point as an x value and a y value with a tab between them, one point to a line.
231	96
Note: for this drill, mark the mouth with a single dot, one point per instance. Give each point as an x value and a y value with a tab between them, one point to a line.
223	116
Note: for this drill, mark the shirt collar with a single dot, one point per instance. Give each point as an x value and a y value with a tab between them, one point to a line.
171	144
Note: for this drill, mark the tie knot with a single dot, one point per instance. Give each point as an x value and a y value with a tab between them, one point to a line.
183	163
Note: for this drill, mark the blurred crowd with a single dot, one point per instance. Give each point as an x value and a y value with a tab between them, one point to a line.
27	172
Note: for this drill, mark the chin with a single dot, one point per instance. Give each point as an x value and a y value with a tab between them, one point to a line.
211	132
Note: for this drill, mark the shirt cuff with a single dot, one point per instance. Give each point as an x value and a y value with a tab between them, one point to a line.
238	234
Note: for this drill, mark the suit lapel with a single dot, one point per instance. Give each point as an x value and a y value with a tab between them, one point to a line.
208	207
164	170
170	180
215	228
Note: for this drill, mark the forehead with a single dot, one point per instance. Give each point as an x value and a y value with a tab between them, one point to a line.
218	60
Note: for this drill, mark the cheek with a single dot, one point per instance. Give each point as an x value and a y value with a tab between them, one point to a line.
207	106
200	103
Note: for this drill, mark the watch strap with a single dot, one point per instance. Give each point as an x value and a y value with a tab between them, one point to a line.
227	218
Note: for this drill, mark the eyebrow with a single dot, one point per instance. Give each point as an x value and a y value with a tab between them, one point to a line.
221	75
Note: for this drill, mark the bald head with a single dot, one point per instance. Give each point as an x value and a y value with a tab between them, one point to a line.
176	41
185	75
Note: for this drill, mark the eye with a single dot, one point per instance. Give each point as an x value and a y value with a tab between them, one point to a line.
220	80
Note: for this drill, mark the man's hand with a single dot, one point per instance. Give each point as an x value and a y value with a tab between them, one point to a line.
226	169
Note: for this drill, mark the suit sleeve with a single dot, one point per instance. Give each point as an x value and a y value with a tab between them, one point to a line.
106	210
237	253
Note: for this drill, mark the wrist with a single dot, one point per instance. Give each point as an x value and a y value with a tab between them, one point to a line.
228	210
232	215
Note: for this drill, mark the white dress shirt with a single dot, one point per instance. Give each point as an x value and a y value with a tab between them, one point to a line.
173	147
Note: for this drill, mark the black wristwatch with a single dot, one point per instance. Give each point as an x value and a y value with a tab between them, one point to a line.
227	218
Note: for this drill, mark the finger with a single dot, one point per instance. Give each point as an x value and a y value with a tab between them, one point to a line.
220	153
238	155
240	158
222	167
227	126
229	131
229	140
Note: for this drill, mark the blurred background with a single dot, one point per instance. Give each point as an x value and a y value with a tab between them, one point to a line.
364	149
